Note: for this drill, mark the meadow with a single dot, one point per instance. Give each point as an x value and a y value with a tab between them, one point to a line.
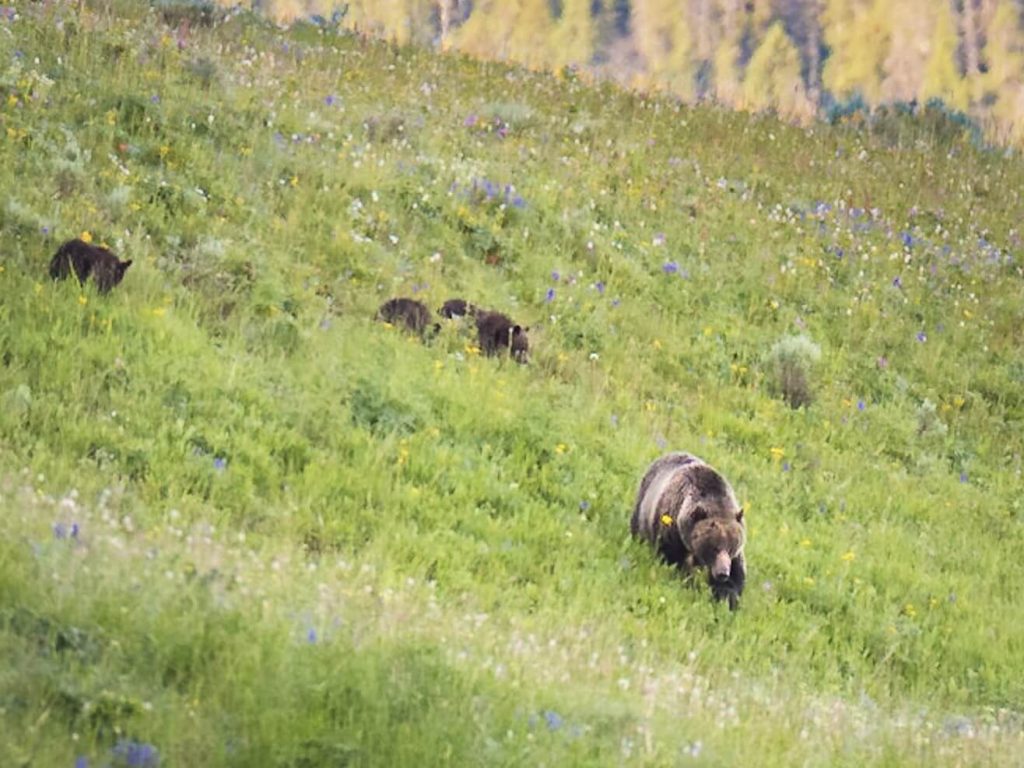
242	523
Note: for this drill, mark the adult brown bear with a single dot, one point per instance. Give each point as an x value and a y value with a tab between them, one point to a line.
689	513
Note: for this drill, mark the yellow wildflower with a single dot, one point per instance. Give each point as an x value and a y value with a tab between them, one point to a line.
86	236
909	610
561	448
657	344
805	543
111	117
848	557
666	520
82	300
778	453
159	311
808	581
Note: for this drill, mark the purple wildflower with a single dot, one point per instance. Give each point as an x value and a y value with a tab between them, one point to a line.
555	277
133	754
922	336
330	99
616	301
154	99
670	267
59	531
81	762
311	636
584	505
74	531
599	285
963	477
907	239
470	121
220	463
659	239
553	719
786	466
861	405
550	295
882	362
896	282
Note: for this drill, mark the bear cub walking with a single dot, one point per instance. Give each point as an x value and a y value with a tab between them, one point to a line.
689	513
408	313
497	333
81	259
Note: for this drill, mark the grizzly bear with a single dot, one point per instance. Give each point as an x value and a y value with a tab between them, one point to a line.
689	512
497	333
410	313
82	259
454	308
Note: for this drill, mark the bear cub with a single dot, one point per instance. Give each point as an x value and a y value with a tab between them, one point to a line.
409	313
82	259
498	333
689	513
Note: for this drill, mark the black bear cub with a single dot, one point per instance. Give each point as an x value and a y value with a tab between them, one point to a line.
498	333
408	313
81	259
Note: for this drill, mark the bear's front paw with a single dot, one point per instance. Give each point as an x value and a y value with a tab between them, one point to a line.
726	590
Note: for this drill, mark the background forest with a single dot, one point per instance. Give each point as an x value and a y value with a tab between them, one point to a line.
836	58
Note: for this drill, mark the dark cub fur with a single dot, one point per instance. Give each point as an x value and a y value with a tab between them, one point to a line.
409	313
498	333
79	258
456	308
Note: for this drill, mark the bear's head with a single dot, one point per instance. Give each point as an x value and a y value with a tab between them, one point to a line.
715	540
520	343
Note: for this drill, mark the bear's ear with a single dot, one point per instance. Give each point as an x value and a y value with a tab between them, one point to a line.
125	264
516	330
739	516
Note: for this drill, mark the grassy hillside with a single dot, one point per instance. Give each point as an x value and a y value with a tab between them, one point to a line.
243	524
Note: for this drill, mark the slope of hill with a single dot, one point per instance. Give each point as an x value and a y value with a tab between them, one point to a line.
241	523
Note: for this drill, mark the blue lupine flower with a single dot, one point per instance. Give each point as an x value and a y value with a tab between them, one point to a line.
133	754
600	287
786	466
555	277
861	405
81	762
59	531
670	267
220	463
74	531
330	99
311	636
896	282
922	336
963	477
907	239
550	295
553	719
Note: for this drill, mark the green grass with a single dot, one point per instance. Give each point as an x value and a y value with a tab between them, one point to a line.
304	538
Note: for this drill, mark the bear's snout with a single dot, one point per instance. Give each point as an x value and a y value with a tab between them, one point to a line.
722	567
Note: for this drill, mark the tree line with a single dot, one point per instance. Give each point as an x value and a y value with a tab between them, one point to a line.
798	57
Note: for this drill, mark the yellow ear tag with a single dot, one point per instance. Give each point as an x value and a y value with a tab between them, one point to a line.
666	520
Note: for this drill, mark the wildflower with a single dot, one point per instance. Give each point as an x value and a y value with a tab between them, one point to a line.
134	754
550	295
616	302
555	277
778	453
861	405
808	581
922	336
81	762
909	610
805	543
470	121
963	477
553	719
670	267
659	239
882	362
599	286
907	239
59	531
666	520
561	448
83	300
848	557
329	99
220	463
311	636
154	99
584	505
786	466
86	236
896	282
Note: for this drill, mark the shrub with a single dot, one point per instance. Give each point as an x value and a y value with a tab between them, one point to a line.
789	364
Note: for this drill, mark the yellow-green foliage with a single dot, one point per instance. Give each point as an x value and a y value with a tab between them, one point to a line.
242	523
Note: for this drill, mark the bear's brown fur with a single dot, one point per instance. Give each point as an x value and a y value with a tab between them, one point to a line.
498	333
81	259
689	512
409	313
